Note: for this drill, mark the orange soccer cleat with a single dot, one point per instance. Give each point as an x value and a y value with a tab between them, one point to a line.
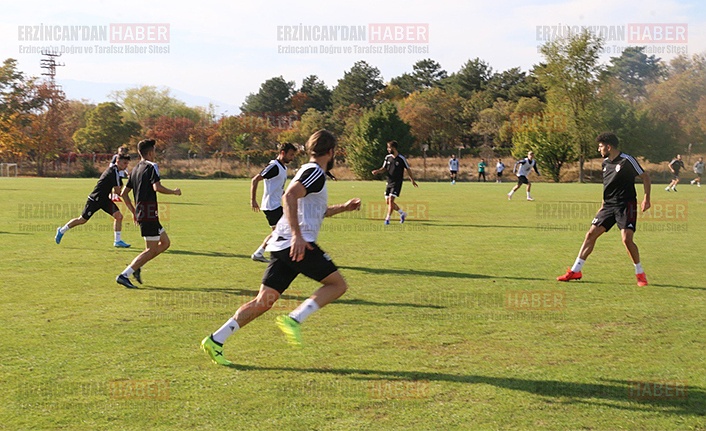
570	275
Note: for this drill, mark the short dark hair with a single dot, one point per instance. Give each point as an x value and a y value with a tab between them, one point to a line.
609	138
320	143
393	144
286	147
145	145
123	156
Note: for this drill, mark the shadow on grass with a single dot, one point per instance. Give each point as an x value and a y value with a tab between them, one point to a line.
613	393
431	273
2	232
208	254
249	294
673	286
494	226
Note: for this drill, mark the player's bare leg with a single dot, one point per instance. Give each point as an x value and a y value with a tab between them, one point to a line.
529	187
391	206
117	228
589	241
256	307
334	286
634	253
72	223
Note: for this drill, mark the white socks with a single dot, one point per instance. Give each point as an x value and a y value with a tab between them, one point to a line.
304	310
64	228
128	271
118	236
260	251
578	265
638	268
225	331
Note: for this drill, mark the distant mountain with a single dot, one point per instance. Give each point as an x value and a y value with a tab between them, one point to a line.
98	92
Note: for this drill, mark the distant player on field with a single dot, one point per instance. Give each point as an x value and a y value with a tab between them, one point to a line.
294	251
499	168
274	175
481	169
395	164
698	170
675	166
525	167
122	173
619	205
145	184
100	199
453	168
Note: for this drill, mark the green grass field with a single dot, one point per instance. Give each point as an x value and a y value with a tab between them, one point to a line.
453	321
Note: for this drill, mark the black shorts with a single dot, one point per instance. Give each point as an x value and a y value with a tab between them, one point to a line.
522	180
624	215
92	206
151	230
453	172
675	176
393	189
273	216
500	174
282	270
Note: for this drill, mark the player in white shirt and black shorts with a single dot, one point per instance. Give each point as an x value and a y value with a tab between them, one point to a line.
274	176
525	167
453	168
294	251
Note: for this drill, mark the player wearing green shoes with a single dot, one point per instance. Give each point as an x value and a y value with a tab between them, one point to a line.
293	251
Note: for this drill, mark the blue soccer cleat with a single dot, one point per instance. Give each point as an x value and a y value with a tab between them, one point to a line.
58	236
121	244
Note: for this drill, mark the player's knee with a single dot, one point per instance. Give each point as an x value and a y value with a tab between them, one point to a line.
118	216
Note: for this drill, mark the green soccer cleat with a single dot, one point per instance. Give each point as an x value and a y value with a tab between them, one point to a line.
292	330
214	351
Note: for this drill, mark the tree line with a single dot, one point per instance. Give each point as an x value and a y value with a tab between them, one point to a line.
556	109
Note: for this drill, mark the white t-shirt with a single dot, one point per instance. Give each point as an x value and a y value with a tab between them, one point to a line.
311	209
453	164
275	175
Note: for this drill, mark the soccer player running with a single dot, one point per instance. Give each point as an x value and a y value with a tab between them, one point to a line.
525	167
453	168
395	164
274	175
294	251
698	170
675	166
145	184
100	198
619	205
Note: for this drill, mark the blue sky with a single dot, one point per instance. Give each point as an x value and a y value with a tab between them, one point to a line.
222	51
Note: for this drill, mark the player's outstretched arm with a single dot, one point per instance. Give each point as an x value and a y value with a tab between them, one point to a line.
647	184
350	205
253	192
159	188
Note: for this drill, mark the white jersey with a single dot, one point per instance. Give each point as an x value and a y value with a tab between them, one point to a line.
275	175
311	209
699	168
453	165
526	166
499	167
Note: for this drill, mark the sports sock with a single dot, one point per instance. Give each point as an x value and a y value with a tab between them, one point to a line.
260	251
512	192
578	265
128	271
528	195
304	310
64	228
118	236
225	331
400	211
638	268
